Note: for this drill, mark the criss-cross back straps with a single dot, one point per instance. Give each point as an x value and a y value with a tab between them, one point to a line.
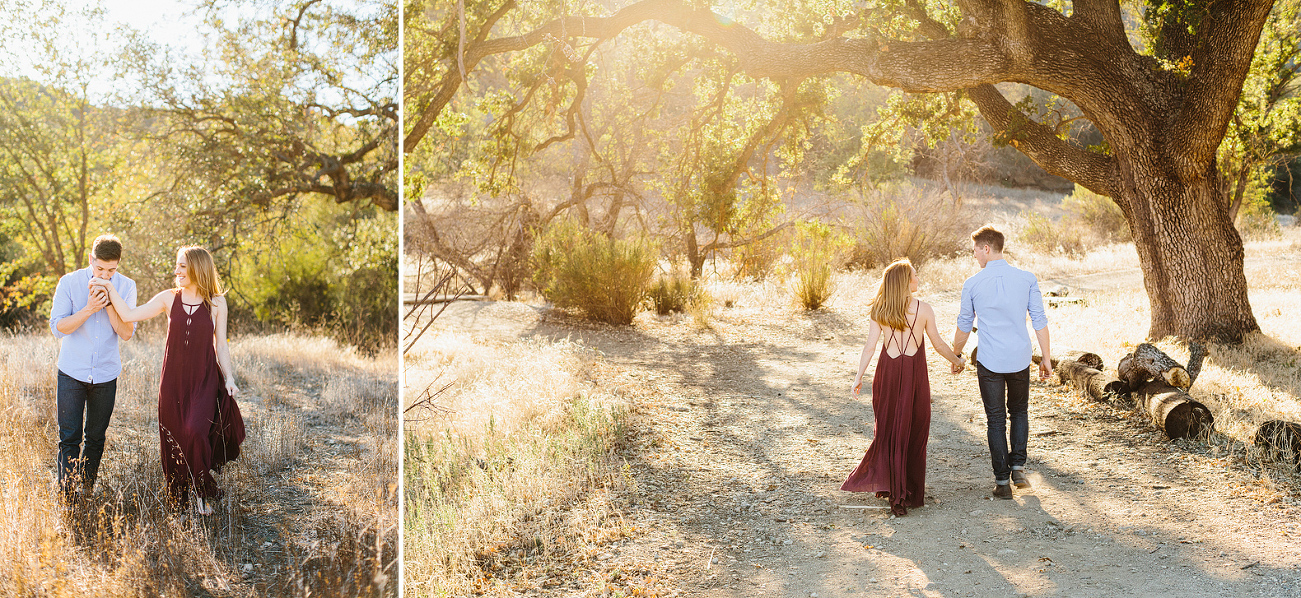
911	335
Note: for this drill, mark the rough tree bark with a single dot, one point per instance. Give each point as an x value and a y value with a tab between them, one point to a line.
1098	385
1150	363
1173	411
1162	124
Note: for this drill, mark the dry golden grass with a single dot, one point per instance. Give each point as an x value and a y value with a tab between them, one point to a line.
299	517
510	480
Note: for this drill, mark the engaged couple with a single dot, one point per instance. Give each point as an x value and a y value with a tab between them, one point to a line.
199	423
1000	296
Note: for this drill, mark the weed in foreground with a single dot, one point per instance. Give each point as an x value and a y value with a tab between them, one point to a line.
515	498
273	533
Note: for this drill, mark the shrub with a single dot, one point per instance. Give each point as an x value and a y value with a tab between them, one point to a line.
817	250
915	223
1097	214
1045	236
674	293
606	279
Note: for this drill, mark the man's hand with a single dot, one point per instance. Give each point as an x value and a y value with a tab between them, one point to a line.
96	299
958	367
1045	367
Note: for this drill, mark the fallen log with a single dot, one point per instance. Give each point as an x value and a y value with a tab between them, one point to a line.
1280	441
1098	385
1150	363
1174	411
1092	360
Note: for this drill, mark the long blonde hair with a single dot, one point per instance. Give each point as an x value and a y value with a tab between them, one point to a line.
890	308
201	269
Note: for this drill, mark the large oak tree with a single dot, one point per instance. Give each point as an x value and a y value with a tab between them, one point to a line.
1163	109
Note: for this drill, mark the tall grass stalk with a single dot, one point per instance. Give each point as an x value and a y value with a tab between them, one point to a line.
123	542
514	478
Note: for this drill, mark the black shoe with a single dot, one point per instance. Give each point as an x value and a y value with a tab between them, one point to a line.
1018	478
1003	491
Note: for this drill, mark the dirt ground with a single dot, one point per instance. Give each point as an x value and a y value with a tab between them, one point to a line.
744	433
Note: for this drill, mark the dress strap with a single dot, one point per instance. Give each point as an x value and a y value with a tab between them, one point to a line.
911	336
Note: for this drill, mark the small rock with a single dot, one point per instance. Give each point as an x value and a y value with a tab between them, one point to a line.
820	554
976	512
787	542
248	567
1007	551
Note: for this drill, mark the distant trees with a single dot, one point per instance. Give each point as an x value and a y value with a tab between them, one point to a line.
1163	105
276	147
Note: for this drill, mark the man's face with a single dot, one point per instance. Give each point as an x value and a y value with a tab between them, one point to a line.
981	253
102	268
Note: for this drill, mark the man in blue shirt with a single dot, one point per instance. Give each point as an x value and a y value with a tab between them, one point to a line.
89	363
1001	296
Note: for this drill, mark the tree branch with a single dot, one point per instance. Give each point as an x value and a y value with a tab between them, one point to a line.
1096	172
1226	41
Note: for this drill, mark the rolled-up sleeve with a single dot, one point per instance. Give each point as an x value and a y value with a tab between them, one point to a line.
62	307
1035	306
967	312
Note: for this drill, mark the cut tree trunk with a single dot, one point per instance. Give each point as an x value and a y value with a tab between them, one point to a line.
1174	411
1280	441
1086	358
1150	363
1098	385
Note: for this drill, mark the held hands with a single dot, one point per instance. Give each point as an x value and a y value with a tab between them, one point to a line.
96	299
959	365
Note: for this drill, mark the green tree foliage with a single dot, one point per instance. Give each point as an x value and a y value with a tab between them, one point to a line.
292	99
276	150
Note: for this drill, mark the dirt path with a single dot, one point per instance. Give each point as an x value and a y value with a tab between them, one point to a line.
745	432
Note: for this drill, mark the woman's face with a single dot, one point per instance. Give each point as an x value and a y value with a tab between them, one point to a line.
181	271
914	283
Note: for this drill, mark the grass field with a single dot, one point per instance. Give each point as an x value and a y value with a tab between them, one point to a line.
514	470
310	506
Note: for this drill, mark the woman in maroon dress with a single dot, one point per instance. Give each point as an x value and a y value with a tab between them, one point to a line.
198	420
895	464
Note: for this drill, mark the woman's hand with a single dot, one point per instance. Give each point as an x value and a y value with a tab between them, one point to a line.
858	385
231	389
959	365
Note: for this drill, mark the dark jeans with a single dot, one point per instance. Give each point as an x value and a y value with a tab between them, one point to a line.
94	403
1006	396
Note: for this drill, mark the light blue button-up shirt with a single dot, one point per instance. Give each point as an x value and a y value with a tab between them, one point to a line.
1001	295
90	353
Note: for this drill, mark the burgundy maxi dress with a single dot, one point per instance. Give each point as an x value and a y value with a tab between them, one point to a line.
895	464
198	421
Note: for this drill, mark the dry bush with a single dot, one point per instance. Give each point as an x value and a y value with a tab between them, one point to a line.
123	542
915	222
606	279
817	251
670	294
1043	235
1098	215
512	481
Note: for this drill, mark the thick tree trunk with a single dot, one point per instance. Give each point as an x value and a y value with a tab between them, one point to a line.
1174	412
1190	252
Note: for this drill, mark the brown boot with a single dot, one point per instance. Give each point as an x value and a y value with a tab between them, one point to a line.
1019	479
1003	491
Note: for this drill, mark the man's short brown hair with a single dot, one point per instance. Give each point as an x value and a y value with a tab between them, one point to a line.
988	235
106	248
